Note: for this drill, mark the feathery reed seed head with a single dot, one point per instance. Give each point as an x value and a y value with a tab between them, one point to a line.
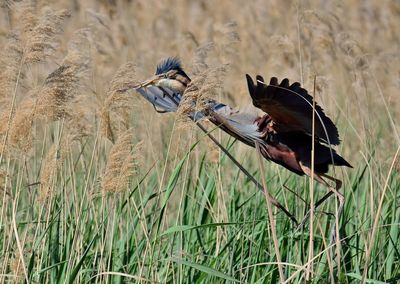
10	60
122	164
203	87
51	165
41	39
117	103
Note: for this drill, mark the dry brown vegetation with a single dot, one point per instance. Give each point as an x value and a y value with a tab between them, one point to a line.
70	132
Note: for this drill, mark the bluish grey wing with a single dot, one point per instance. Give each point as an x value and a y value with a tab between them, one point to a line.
163	100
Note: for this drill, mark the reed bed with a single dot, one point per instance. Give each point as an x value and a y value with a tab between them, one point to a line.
95	186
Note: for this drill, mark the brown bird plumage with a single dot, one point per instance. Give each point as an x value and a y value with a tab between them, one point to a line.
287	127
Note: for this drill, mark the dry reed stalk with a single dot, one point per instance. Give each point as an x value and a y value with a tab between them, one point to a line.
121	165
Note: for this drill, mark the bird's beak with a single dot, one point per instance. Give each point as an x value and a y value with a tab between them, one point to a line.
151	81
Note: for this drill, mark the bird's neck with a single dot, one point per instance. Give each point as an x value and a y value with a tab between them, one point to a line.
177	84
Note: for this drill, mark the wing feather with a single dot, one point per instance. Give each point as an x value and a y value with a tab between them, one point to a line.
290	107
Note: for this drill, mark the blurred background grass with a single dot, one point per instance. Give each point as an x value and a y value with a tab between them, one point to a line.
98	187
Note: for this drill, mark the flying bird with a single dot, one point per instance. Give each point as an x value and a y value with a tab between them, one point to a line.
283	131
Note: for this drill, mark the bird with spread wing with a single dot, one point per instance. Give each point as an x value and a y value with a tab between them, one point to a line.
284	131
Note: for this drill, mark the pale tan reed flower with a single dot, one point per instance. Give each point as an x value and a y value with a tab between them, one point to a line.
203	87
51	166
21	137
10	60
41	39
63	85
118	103
121	165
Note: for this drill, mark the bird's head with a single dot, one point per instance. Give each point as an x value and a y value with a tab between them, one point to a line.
169	74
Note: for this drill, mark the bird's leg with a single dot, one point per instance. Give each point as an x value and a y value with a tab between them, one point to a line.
339	196
335	238
338	185
338	182
307	171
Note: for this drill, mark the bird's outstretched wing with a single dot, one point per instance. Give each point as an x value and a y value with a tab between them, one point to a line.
240	125
290	108
163	100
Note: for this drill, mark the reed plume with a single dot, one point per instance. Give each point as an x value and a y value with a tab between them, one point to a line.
51	165
21	137
10	73
122	164
10	61
203	87
41	38
117	103
62	85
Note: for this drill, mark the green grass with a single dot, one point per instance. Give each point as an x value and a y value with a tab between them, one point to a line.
207	225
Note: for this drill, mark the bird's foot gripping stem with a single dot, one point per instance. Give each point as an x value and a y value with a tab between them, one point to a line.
340	198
